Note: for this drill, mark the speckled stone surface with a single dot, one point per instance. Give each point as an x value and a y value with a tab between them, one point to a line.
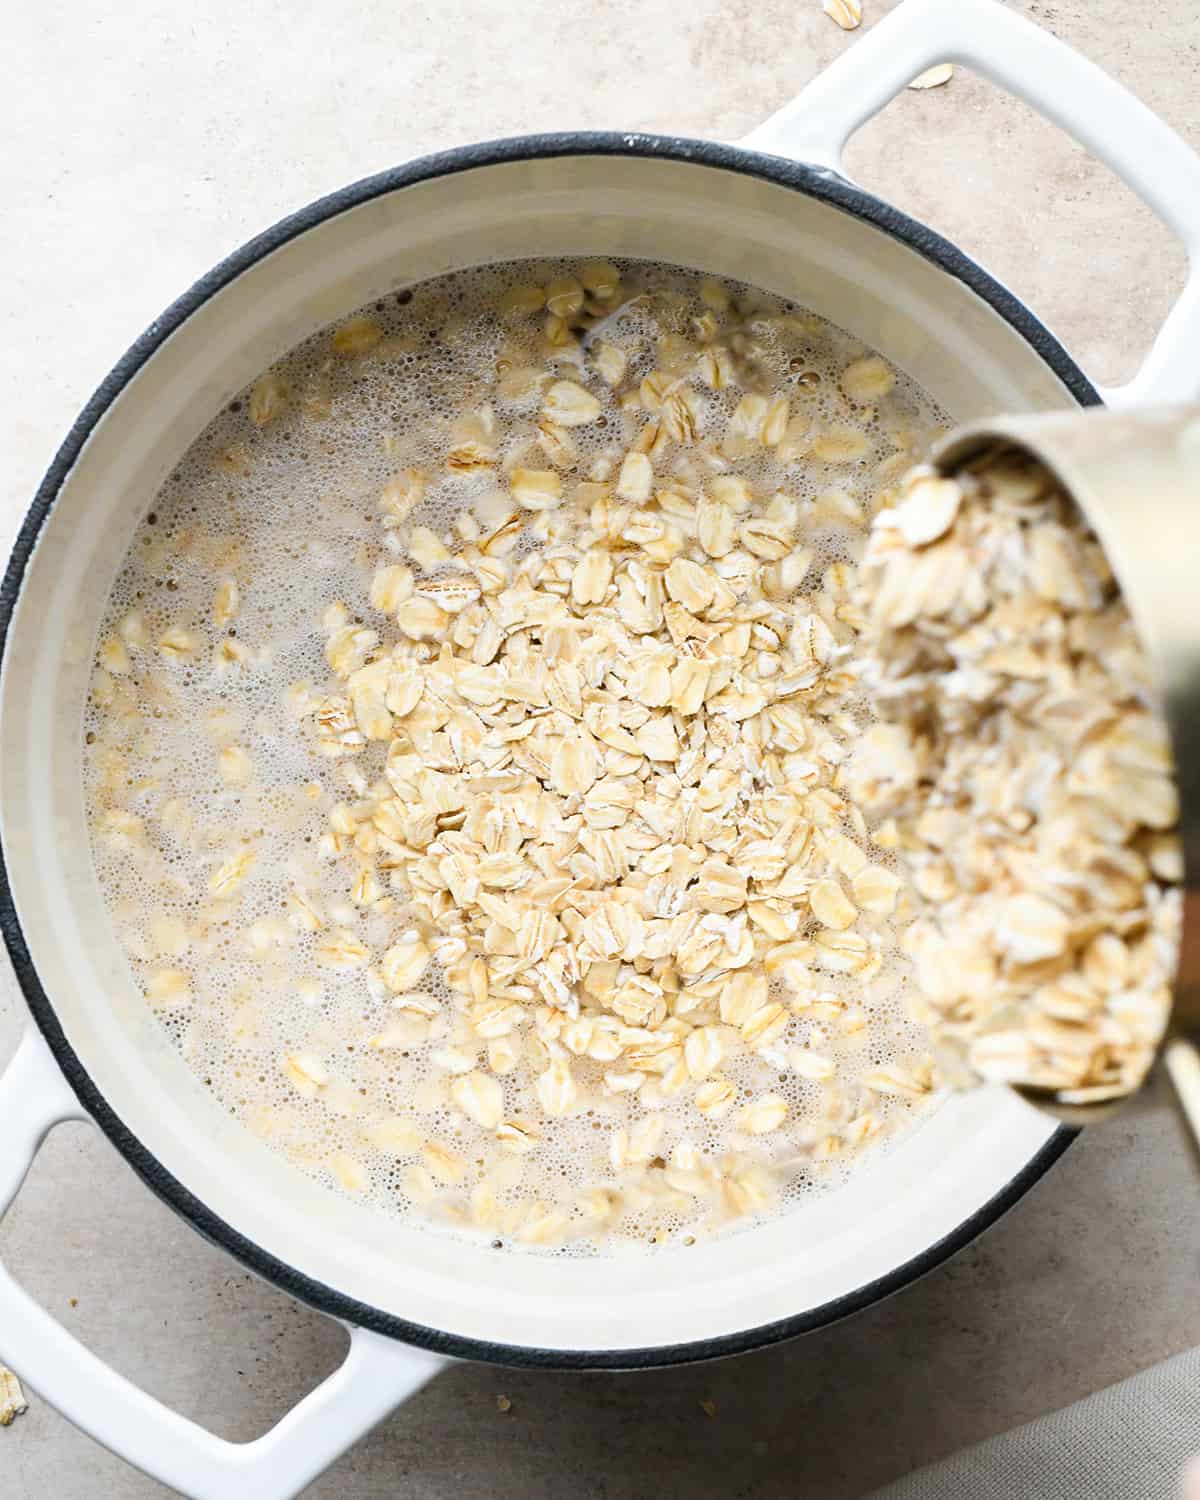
144	141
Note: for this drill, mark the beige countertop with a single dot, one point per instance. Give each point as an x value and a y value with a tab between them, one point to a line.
146	140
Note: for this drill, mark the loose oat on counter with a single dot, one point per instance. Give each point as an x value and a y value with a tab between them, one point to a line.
933	78
1026	775
12	1398
847	13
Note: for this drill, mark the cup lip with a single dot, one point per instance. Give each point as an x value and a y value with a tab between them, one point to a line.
816	182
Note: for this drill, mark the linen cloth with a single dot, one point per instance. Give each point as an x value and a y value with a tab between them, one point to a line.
1129	1442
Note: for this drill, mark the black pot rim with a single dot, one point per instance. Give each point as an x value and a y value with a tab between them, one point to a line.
818	183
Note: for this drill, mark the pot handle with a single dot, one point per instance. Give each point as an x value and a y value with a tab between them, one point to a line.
377	1375
1062	86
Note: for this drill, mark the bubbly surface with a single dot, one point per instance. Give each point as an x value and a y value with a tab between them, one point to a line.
200	748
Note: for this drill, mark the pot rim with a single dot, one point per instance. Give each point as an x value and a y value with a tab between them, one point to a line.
814	182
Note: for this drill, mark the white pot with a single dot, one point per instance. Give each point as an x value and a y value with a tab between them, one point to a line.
412	1298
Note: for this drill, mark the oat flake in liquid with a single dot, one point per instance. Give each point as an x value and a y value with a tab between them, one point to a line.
464	757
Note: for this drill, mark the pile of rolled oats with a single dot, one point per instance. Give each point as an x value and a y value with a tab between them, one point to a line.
1025	776
537	900
527	808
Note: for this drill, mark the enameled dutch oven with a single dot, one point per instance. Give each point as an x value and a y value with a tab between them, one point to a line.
775	211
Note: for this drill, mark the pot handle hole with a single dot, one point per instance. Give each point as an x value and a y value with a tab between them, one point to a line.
377	1375
1061	85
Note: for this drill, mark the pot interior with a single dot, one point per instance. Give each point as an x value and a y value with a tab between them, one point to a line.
692	212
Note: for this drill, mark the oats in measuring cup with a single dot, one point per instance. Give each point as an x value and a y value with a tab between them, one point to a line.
1024	772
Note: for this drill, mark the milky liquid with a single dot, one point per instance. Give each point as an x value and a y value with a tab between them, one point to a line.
290	511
